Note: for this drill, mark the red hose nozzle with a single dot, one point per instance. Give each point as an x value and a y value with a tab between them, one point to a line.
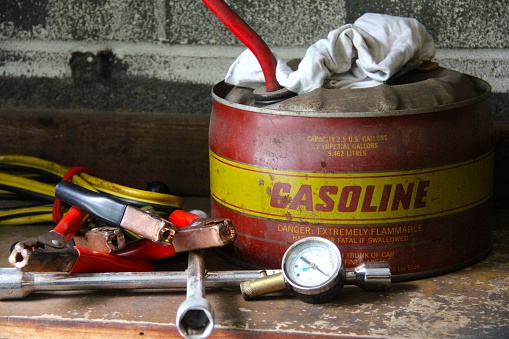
249	38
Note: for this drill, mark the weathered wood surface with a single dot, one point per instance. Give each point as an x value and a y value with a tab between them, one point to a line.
134	148
128	148
471	302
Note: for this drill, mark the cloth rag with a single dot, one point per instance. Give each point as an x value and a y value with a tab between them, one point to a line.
363	54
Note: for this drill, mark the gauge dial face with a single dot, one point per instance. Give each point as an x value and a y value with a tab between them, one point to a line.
312	263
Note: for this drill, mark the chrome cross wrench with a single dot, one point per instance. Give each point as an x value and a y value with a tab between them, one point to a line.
195	316
15	284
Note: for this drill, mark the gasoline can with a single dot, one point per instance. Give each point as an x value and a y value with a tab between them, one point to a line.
401	172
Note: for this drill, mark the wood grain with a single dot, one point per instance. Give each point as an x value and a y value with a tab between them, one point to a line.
134	148
129	148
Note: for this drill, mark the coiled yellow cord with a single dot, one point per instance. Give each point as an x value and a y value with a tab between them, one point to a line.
27	183
35	215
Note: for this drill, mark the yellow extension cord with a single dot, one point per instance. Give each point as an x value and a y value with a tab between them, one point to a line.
42	214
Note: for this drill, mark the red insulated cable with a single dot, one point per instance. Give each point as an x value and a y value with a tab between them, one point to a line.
70	223
71	172
249	38
181	218
92	261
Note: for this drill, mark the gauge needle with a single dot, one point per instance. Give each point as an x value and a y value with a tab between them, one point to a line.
313	265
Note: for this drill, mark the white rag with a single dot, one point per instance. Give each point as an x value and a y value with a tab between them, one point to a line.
363	54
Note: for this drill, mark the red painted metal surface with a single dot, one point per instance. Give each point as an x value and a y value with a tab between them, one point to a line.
366	143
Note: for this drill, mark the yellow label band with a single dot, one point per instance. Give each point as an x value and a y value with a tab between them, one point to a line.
351	198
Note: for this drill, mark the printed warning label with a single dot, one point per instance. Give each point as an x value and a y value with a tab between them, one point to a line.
351	198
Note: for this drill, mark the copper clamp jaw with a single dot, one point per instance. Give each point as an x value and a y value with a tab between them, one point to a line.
204	233
44	253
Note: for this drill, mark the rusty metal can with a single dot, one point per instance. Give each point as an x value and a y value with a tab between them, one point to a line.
399	180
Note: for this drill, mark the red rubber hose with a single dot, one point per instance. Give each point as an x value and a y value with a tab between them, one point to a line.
249	38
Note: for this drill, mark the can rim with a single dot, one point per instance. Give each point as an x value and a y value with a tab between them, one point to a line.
221	89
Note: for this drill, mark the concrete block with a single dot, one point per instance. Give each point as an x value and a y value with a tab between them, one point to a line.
472	23
22	18
80	20
491	65
453	24
279	23
421	10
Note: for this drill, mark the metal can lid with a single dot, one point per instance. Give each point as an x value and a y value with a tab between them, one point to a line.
414	92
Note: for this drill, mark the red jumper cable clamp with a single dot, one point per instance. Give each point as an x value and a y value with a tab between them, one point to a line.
116	213
194	232
52	252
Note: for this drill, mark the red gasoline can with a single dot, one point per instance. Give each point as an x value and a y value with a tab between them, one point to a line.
401	173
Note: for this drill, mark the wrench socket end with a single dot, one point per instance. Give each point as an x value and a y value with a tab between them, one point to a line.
195	318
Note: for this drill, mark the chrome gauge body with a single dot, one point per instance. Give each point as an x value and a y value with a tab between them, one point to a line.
313	269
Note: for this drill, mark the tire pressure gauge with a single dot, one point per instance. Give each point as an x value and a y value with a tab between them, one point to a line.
313	269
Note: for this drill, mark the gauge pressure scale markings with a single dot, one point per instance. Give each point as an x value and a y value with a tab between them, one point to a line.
313	266
312	269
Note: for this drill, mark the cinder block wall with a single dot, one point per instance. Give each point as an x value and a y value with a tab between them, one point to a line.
164	55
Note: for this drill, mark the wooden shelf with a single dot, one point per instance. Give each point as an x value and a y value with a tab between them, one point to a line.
471	302
134	148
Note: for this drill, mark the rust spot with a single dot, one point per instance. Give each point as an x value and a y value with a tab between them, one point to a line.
288	216
269	190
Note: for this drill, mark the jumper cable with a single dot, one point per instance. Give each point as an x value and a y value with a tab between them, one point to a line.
53	252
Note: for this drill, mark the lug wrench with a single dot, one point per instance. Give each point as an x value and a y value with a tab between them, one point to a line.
195	316
15	284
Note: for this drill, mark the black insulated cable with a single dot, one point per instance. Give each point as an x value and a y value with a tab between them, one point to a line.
106	209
